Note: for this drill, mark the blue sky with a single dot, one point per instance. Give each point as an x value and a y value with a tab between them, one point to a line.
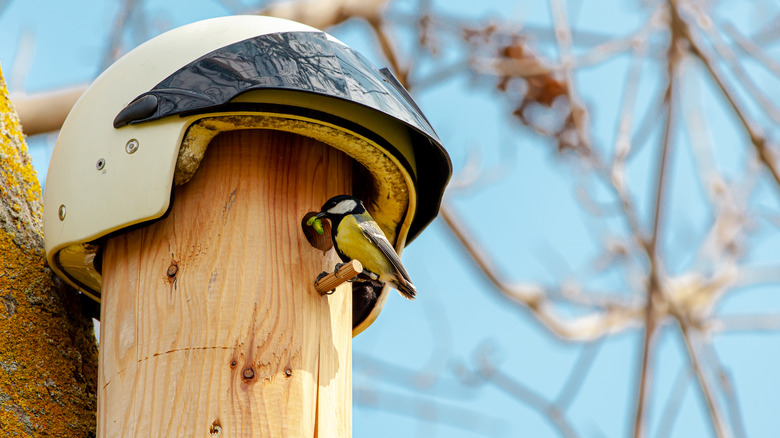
528	217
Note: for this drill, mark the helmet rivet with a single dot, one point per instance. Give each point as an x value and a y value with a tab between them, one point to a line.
101	163
61	212
131	146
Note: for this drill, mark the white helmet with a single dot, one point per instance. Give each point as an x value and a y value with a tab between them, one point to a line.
144	124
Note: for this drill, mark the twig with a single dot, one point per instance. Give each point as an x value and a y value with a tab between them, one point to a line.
752	49
428	409
654	294
454	25
438	76
112	50
522	393
707	392
729	210
430	380
672	406
563	38
763	150
388	49
616	316
622	148
730	58
744	323
4	4
757	275
727	389
577	375
22	62
648	122
322	14
732	404
769	34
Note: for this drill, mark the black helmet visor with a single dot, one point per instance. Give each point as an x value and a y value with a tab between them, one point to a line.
305	62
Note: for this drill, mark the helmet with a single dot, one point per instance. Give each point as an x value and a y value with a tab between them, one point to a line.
144	124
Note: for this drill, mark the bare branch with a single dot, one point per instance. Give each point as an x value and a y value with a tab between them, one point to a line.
744	323
563	37
554	414
730	58
672	406
757	275
752	49
769	34
578	374
45	112
388	48
439	76
764	151
654	292
704	385
616	316
322	14
113	50
4	4
25	53
427	409
727	387
623	146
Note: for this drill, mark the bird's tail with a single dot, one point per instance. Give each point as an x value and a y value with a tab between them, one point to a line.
406	289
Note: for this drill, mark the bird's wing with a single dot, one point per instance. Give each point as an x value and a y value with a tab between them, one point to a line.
371	230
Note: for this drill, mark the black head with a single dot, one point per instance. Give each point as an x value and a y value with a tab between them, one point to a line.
341	205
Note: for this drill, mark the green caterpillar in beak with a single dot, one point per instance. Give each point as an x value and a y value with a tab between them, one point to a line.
316	223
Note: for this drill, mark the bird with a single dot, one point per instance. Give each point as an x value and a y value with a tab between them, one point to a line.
357	236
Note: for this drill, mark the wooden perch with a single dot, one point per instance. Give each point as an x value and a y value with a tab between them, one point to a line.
342	274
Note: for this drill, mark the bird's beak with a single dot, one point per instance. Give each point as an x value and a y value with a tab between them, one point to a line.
321	215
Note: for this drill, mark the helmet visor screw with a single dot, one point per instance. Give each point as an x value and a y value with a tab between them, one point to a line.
131	146
101	163
61	212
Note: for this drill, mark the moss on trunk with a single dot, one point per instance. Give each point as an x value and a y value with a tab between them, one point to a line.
48	351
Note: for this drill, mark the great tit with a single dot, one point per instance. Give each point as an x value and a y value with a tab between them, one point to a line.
356	236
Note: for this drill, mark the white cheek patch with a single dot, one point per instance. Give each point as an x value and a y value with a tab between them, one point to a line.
343	207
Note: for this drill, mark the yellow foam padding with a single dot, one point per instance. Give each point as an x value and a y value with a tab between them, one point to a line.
391	184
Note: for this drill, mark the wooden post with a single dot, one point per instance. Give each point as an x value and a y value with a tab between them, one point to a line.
210	322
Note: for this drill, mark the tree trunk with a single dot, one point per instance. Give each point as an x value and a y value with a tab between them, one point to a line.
48	351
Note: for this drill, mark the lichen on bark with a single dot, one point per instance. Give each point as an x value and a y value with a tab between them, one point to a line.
48	351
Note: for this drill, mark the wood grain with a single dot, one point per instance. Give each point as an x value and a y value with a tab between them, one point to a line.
331	281
210	322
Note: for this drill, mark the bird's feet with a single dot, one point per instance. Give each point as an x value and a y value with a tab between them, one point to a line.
320	277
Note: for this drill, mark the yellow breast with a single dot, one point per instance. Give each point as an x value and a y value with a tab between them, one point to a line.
353	244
